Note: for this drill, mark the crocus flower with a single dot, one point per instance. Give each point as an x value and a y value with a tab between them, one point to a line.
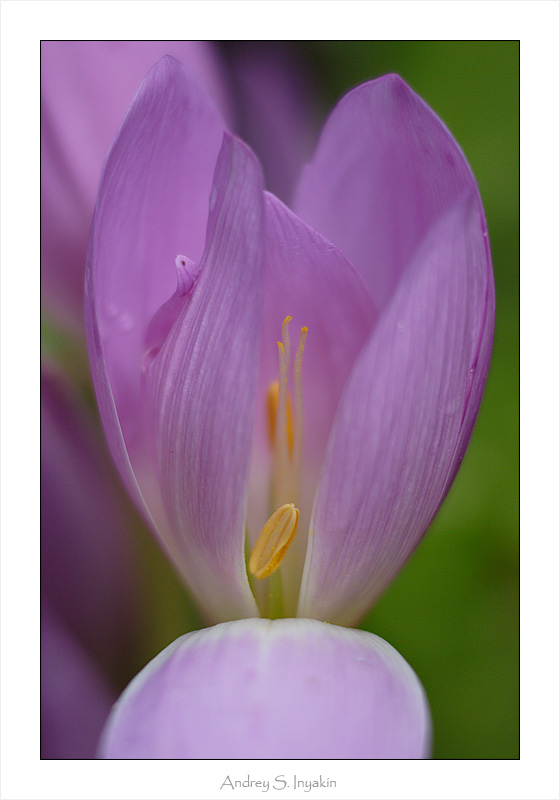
325	455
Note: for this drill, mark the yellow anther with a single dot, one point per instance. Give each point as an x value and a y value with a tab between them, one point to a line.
287	320
272	412
274	540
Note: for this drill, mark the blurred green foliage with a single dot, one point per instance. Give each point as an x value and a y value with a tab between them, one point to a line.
453	612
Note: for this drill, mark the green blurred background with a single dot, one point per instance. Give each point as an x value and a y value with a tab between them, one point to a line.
453	612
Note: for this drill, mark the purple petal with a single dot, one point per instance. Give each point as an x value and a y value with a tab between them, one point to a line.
201	390
75	700
280	689
404	421
385	169
86	88
152	205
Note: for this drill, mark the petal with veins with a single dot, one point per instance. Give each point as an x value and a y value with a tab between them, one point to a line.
384	170
201	392
404	420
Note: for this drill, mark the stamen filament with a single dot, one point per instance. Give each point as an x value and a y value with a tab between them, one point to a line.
274	540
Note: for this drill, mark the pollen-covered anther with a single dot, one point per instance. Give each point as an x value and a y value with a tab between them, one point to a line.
274	540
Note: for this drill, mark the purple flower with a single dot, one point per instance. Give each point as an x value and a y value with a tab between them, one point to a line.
325	456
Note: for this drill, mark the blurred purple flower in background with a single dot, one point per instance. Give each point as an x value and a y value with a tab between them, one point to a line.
75	696
90	605
87	557
385	270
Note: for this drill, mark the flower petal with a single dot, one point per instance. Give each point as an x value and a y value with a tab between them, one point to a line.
152	205
272	689
86	88
404	421
385	169
201	392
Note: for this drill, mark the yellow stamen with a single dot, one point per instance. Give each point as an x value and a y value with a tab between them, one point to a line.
281	462
274	540
281	435
286	340
285	430
272	413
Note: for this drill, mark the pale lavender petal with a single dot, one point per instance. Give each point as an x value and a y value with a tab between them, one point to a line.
152	205
86	88
404	421
272	689
385	169
75	698
88	555
201	390
310	280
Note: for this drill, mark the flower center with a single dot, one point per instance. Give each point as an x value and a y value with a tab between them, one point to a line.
285	430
